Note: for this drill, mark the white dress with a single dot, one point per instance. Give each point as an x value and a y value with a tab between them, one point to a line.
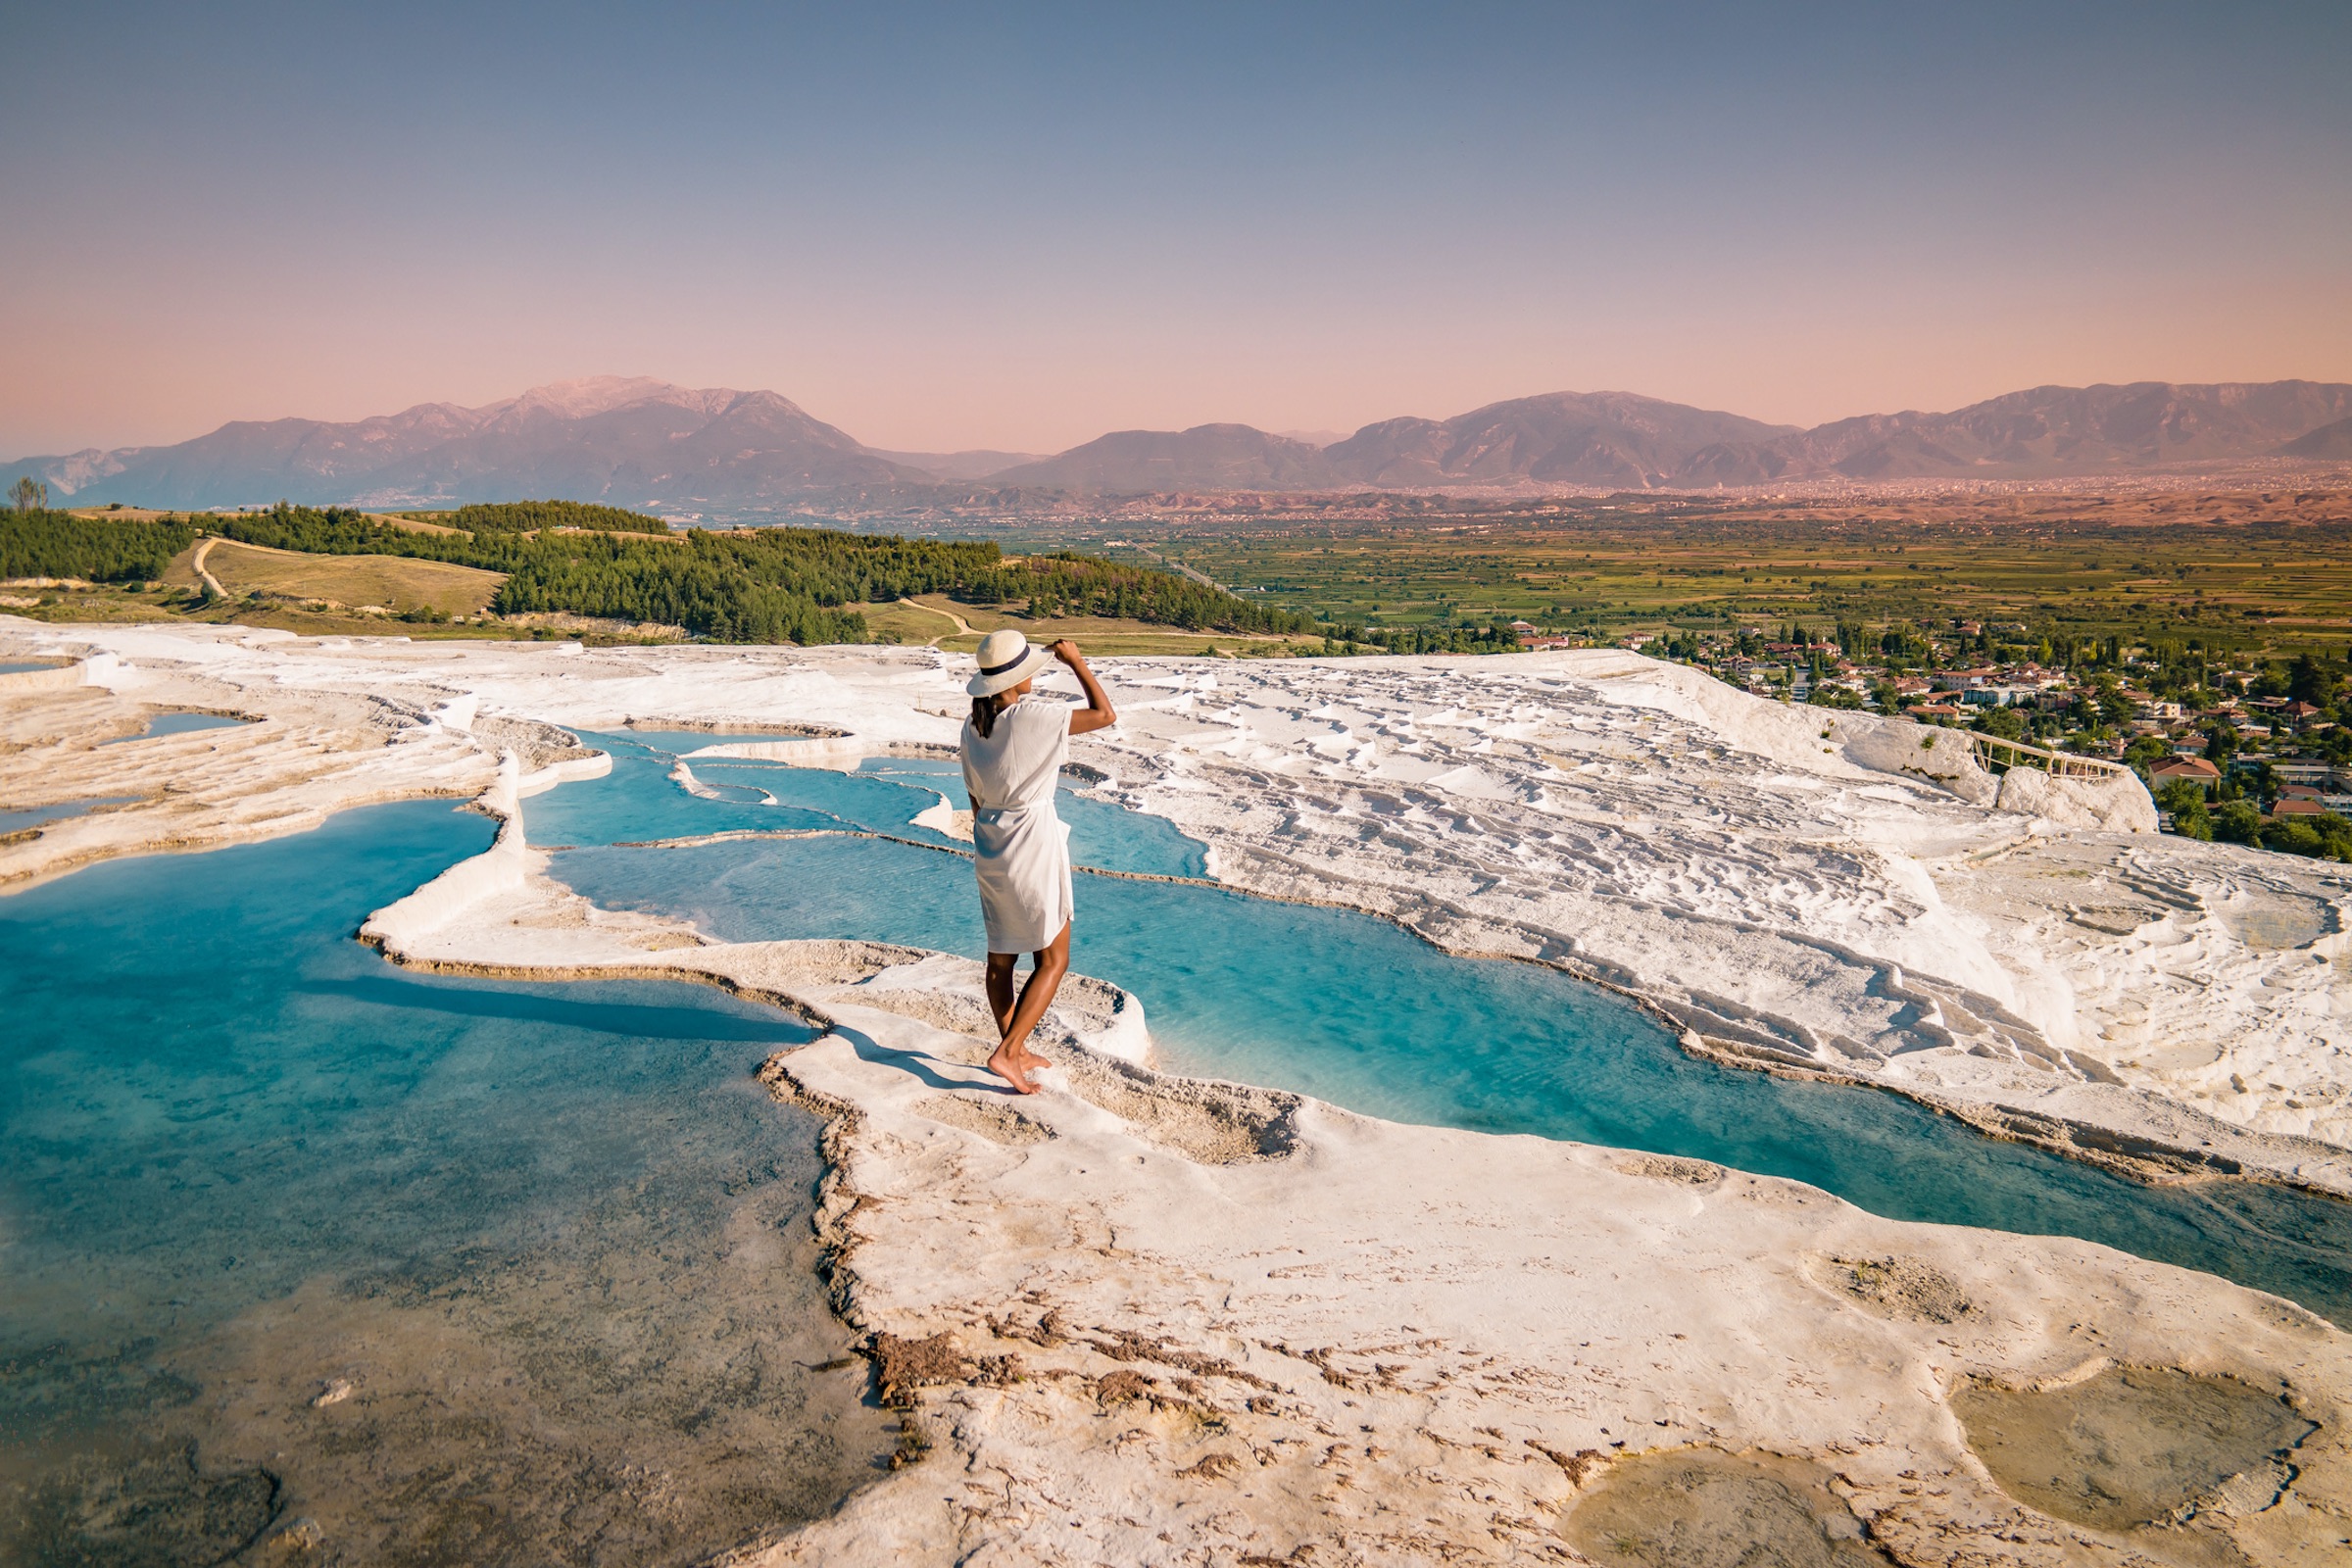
1021	848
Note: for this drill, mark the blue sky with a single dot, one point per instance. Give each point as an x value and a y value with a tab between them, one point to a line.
949	226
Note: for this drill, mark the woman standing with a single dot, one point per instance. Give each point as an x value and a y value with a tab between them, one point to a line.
1012	755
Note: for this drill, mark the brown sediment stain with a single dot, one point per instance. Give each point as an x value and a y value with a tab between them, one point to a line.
902	1365
1122	1387
1893	1287
2275	922
667	941
2130	1447
155	1504
1707	1508
998	1123
652	1390
941	1009
1669	1168
1213	1123
483	1418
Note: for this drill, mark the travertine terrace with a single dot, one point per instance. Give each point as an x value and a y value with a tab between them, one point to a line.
1798	891
1144	1319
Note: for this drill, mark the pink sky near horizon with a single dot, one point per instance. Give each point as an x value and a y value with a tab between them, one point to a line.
1018	232
107	378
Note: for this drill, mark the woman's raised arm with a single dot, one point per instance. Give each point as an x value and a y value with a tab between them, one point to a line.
1098	713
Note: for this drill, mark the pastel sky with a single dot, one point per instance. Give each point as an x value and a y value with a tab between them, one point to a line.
1018	226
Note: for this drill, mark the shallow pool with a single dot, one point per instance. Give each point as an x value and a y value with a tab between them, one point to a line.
41	815
1354	1010
641	802
182	723
465	1272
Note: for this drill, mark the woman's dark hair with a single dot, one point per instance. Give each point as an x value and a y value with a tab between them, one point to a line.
985	711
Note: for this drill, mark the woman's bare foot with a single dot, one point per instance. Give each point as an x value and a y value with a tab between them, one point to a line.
1024	1056
1011	1067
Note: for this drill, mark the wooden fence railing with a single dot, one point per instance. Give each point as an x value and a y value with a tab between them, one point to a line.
1997	754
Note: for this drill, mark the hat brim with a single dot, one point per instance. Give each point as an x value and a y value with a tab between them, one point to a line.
1035	660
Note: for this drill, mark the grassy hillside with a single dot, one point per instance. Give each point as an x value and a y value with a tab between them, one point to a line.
555	560
352	582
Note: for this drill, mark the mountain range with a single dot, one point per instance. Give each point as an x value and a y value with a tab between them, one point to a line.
640	442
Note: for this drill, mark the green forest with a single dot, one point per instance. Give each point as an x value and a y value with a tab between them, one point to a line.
1070	584
525	516
748	585
58	544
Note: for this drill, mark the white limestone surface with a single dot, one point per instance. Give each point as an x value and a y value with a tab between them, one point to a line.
1800	890
1144	1320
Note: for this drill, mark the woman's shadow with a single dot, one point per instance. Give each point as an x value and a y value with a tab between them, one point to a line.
921	1065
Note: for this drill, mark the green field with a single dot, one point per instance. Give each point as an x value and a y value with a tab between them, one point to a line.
2264	574
2241	573
392	584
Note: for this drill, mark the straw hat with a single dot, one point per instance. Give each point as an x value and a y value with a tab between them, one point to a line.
1007	658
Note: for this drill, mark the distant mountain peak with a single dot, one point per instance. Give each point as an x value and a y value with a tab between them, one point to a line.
629	440
641	441
602	394
1207	457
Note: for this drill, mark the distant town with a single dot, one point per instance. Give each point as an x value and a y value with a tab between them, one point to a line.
2258	754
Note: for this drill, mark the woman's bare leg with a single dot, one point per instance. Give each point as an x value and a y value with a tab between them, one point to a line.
1014	1058
1004	997
1001	993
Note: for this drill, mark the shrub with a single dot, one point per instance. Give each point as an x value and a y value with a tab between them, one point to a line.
2006	723
2185	799
2327	837
2237	822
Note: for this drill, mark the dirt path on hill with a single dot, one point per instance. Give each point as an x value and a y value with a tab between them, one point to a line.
212	584
963	627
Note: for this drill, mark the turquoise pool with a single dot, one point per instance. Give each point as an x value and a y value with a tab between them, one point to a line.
1355	1011
554	1236
455	1267
180	723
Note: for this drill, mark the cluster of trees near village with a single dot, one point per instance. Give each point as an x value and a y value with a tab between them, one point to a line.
1491	639
746	585
38	543
527	516
2238	820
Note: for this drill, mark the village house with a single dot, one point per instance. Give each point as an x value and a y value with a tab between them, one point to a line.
2002	696
2195	769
